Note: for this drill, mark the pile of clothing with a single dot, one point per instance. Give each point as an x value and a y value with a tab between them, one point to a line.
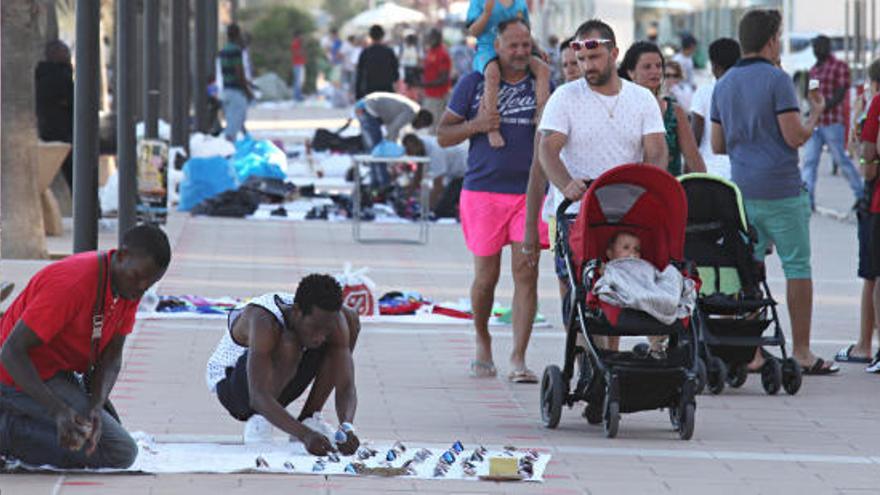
196	304
235	186
401	303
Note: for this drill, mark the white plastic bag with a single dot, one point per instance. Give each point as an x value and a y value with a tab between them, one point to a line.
206	146
108	195
358	291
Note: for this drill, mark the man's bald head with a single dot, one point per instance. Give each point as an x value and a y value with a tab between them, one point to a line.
513	46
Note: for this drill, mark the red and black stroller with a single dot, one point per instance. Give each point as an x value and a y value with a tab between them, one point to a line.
651	203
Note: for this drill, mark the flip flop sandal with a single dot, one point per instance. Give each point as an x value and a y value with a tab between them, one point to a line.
523	375
818	368
482	369
845	356
764	354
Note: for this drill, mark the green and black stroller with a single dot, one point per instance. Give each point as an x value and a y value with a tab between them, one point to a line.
734	305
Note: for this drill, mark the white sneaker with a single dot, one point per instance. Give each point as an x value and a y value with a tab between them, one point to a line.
317	423
874	367
258	430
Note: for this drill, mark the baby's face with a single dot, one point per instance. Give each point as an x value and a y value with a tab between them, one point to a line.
625	246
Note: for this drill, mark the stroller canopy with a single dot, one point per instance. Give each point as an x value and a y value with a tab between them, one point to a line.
713	199
638	198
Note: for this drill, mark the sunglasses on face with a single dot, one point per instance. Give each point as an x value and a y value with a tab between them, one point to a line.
588	44
672	75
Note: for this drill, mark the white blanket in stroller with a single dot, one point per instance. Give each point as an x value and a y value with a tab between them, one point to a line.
636	284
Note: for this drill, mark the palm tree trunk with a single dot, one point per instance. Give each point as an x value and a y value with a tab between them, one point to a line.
21	235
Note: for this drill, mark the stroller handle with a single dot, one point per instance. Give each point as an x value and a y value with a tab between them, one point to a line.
563	207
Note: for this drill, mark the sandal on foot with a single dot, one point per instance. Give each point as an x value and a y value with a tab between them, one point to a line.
522	375
819	368
765	356
845	356
482	369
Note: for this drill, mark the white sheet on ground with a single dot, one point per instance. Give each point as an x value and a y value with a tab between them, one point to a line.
416	319
283	457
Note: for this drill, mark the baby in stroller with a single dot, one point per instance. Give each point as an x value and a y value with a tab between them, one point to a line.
624	244
630	282
623	254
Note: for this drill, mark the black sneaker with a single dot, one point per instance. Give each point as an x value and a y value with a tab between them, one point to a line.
593	412
641	350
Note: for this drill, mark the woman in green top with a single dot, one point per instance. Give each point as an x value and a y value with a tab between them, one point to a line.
643	64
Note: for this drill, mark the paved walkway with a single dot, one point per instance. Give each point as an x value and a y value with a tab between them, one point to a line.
413	384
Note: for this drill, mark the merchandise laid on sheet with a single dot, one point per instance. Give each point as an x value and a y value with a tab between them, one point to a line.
453	462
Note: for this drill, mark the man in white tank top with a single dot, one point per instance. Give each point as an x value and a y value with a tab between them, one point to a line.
276	346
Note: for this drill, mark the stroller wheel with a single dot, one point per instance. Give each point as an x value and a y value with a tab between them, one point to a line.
702	376
737	376
552	395
771	376
686	426
717	374
612	418
791	376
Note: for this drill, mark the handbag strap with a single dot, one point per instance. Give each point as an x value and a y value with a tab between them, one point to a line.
98	310
344	127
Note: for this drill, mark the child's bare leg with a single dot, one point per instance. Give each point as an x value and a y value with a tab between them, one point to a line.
542	73
492	74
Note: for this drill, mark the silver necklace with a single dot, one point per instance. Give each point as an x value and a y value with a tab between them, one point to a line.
613	105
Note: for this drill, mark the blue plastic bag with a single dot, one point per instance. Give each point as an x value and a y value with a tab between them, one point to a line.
388	149
205	178
260	158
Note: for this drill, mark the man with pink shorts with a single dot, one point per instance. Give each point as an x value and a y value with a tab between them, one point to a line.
493	198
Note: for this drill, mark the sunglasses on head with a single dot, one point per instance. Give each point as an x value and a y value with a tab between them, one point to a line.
577	45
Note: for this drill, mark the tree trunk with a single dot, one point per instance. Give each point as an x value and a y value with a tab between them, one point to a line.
51	20
22	234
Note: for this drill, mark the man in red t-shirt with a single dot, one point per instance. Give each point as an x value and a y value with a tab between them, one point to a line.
47	415
435	77
869	235
298	60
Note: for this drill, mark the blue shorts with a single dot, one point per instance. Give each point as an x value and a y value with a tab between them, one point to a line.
559	261
784	223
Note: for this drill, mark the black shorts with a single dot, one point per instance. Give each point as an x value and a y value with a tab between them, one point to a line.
869	249
412	76
233	390
866	270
